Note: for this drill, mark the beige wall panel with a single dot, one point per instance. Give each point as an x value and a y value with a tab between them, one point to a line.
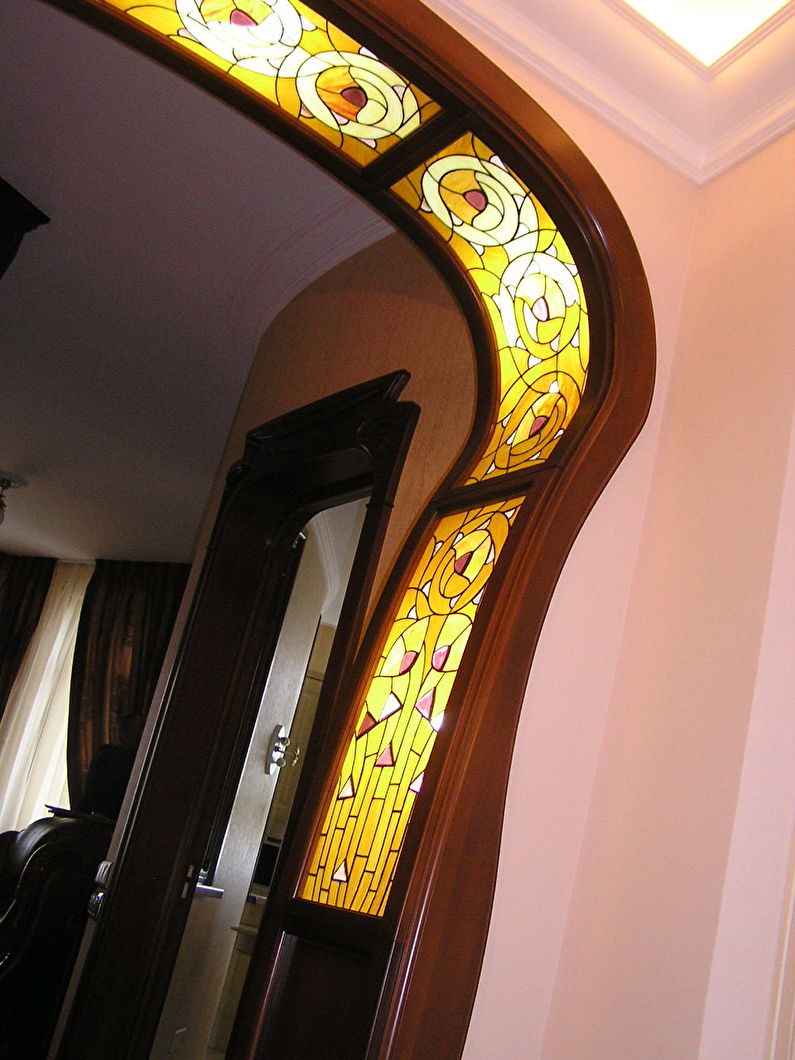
383	309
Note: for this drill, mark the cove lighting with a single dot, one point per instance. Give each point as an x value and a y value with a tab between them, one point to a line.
708	29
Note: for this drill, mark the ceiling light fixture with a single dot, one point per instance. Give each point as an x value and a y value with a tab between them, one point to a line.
8	482
707	29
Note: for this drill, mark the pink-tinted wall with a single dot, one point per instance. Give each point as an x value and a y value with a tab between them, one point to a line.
636	962
627	889
570	691
748	958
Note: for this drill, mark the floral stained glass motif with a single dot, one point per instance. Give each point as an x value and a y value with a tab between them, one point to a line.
300	62
527	279
354	858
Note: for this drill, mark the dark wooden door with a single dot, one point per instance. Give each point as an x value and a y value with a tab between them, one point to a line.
343	447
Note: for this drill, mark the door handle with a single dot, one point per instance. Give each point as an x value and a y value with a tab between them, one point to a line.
204	890
97	896
278	753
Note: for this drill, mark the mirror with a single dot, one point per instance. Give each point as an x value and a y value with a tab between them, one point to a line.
225	913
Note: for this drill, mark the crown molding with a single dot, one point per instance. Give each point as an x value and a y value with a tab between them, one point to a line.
700	121
758	130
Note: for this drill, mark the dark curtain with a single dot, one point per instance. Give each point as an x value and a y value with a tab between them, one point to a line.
125	625
24	581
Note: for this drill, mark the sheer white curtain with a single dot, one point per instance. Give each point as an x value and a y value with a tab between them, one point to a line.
33	727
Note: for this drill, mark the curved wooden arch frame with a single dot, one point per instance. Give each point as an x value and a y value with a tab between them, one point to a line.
451	850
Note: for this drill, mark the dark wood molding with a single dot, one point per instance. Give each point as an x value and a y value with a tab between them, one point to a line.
416	969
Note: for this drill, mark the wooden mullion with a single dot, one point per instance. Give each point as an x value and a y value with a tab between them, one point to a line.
402	159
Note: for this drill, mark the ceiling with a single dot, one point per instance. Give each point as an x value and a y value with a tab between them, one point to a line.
611	60
178	230
708	29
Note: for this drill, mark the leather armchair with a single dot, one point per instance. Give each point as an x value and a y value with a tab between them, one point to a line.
47	873
46	876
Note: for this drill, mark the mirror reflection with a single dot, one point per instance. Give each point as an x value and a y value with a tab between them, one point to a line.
226	910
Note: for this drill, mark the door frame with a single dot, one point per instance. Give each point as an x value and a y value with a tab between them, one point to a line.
343	447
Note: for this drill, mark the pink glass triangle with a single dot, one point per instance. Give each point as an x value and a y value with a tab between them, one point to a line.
368	722
407	661
440	657
386	758
425	704
462	563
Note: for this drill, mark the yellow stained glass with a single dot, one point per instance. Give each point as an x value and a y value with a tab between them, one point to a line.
530	286
298	61
354	859
524	273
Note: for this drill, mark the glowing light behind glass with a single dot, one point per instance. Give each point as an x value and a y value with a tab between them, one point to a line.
531	289
707	29
294	58
355	856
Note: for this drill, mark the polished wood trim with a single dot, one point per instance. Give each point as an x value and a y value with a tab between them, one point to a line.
404	157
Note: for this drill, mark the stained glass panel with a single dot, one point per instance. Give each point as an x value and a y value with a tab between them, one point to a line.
299	61
524	273
530	286
354	859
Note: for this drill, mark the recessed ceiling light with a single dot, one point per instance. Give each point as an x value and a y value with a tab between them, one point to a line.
708	29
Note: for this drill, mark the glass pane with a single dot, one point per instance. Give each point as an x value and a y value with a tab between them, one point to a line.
354	858
299	62
530	287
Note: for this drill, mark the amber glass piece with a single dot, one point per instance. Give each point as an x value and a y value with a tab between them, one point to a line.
529	285
299	62
382	774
